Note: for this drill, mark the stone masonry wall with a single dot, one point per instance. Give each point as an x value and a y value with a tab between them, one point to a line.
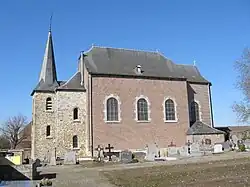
41	118
67	127
200	93
61	122
215	138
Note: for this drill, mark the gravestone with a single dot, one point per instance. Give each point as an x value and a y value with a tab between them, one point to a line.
172	151
109	153
218	148
52	161
99	149
140	155
70	158
125	156
234	140
152	152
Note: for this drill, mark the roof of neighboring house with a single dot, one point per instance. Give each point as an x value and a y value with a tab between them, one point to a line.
200	128
26	132
239	128
115	61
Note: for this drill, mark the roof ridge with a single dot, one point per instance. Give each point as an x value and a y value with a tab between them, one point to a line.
126	49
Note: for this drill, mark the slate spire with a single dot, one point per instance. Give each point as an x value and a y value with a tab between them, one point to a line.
48	71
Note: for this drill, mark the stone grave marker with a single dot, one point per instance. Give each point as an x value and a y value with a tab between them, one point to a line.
99	149
140	155
235	139
52	161
70	158
109	153
152	152
172	151
218	148
125	156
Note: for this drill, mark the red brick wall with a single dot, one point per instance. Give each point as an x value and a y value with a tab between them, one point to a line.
129	133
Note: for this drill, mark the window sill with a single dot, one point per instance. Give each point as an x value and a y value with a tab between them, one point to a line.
49	111
143	121
76	121
76	149
110	122
170	121
49	137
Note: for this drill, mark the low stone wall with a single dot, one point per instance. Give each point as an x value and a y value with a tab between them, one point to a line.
10	171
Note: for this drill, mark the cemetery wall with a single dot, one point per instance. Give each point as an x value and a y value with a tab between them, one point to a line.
41	118
215	138
129	133
200	93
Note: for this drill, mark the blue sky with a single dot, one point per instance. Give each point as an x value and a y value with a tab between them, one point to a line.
213	33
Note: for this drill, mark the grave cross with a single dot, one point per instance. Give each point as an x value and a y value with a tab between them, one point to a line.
99	149
109	153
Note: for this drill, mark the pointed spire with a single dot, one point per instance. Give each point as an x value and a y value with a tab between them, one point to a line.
48	71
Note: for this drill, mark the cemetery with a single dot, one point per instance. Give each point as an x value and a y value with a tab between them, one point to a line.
33	171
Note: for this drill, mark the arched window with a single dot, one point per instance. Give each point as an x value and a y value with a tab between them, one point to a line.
75	113
48	130
48	103
195	113
142	110
112	109
75	141
170	110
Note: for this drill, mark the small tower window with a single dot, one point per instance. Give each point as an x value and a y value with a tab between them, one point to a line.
75	141
48	130
48	104
75	113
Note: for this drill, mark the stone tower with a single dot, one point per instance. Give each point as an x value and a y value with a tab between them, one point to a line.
58	111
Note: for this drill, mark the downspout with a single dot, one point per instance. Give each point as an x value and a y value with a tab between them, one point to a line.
92	137
211	106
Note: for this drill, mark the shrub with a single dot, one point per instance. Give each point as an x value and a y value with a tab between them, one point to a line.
242	147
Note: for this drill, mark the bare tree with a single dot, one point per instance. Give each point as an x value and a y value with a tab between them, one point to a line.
242	66
12	129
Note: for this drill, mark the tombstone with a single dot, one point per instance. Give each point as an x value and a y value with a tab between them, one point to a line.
234	140
126	156
109	153
218	148
70	158
152	152
140	155
52	161
99	149
172	151
195	148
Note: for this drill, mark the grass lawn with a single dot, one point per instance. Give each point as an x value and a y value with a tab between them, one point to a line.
229	173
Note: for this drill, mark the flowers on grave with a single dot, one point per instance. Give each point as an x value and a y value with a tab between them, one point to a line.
45	182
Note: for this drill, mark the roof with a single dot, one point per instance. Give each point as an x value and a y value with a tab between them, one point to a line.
74	83
239	128
200	128
115	61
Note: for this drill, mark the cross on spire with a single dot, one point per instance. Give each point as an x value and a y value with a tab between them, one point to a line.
50	22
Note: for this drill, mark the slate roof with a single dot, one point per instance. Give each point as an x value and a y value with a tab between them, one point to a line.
200	128
115	61
74	83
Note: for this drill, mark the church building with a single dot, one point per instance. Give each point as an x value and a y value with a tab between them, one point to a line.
123	97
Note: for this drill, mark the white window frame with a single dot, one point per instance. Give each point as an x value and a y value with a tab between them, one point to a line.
105	108
136	111
200	113
175	110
